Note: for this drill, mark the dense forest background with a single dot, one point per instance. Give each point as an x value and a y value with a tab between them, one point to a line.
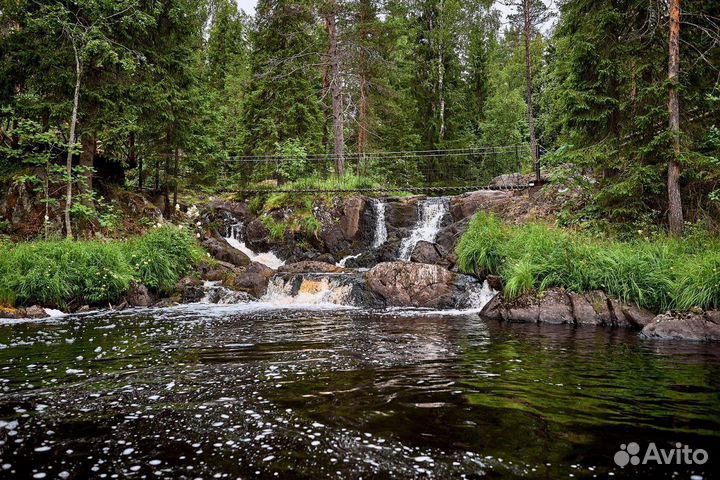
168	94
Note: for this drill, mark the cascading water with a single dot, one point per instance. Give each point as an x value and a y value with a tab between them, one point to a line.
380	227
234	239
308	290
380	234
432	213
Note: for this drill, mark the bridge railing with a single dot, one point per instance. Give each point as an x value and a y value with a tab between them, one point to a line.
414	171
411	170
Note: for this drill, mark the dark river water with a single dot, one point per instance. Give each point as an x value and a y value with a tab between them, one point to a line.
246	392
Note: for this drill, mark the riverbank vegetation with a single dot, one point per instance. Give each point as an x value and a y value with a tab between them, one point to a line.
659	273
63	272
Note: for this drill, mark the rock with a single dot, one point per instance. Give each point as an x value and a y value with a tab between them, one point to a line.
590	308
636	316
365	260
412	284
236	209
36	311
310	267
257	237
450	236
689	326
10	312
619	319
495	282
334	240
83	309
464	206
523	310
492	309
139	296
426	252
254	279
187	282
351	217
713	316
402	213
221	250
555	307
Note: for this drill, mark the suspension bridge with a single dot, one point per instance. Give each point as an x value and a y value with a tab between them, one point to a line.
417	171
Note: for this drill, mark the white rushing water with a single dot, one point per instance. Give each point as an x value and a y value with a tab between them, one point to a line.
432	212
380	228
343	263
312	291
234	239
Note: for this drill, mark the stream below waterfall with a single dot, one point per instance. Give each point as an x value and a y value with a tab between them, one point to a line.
314	390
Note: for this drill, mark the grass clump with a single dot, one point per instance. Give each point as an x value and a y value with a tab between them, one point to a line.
63	272
659	274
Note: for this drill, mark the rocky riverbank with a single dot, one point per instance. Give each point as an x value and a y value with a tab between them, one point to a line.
383	252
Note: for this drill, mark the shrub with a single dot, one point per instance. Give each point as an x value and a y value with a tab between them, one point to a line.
57	273
662	273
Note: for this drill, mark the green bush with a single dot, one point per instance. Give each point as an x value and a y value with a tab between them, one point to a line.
57	273
661	274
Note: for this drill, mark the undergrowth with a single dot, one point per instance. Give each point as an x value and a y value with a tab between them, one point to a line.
662	273
58	273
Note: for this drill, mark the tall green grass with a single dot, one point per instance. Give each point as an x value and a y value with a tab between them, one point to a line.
63	272
660	274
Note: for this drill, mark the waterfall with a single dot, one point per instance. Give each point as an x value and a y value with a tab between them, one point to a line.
234	239
305	290
380	227
216	293
432	213
480	295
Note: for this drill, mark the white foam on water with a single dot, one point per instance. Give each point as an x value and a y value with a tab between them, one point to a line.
380	236
343	263
432	213
268	259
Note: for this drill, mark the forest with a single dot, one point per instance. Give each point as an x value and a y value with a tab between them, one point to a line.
173	95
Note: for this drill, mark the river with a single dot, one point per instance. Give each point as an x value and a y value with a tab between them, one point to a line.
252	391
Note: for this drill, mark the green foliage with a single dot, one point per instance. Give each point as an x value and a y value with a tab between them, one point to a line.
661	273
294	159
277	229
162	257
57	273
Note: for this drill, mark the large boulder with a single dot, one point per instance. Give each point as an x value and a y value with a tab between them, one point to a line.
591	308
413	284
351	217
310	267
555	307
221	250
450	236
139	295
689	326
463	206
253	280
427	252
257	237
402	213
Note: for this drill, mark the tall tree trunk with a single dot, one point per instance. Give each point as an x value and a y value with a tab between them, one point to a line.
87	164
675	215
336	89
364	101
71	143
176	170
527	32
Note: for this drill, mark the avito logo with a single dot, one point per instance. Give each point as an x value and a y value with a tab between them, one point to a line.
680	455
